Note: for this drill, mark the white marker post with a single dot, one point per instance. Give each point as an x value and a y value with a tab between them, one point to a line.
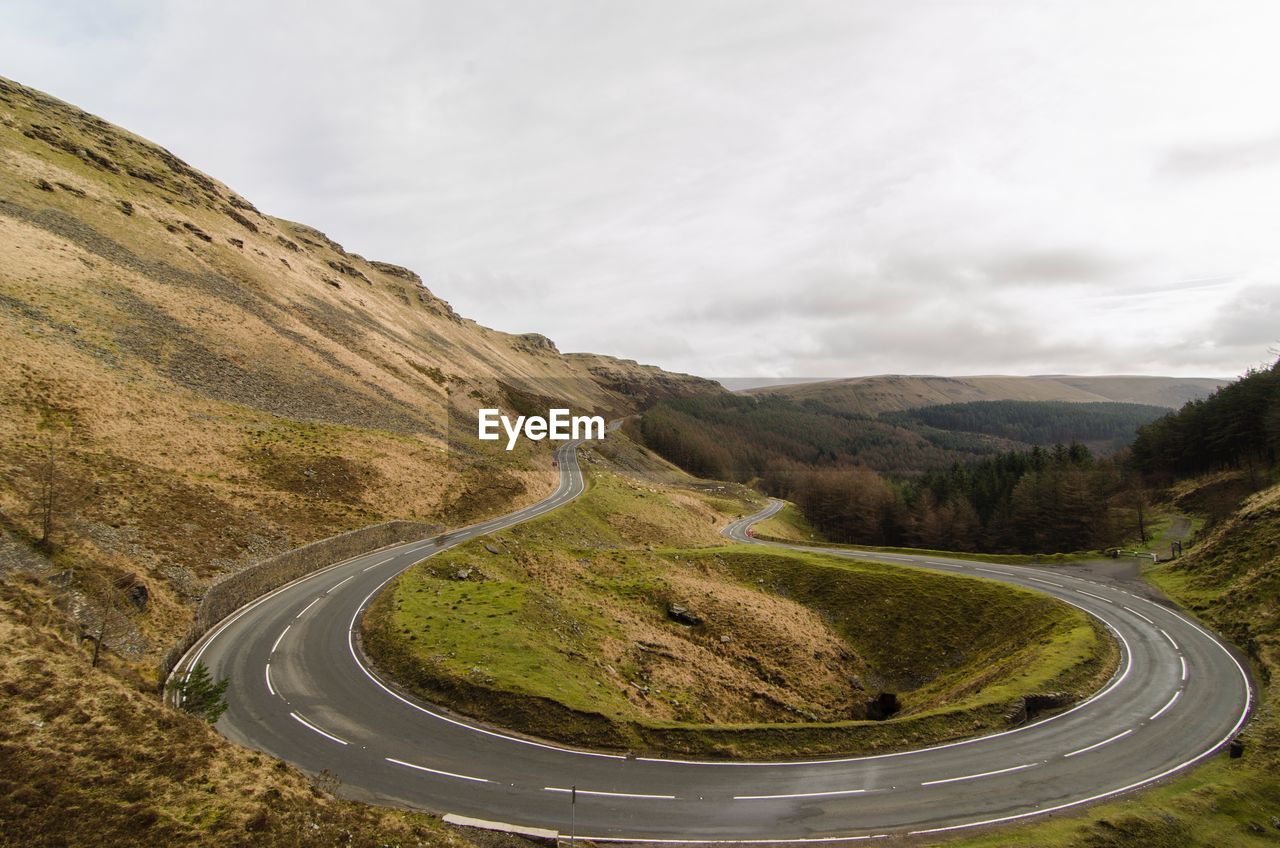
573	813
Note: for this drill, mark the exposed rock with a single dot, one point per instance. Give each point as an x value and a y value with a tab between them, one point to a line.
290	245
134	590
72	189
332	282
462	574
538	343
348	269
126	207
237	242
240	203
682	615
240	219
43	185
491	548
196	231
396	271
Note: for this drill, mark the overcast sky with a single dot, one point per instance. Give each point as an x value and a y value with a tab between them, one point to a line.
745	188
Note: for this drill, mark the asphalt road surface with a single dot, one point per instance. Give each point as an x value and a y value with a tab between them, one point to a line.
301	690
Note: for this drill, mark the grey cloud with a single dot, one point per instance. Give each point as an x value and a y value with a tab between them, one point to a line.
827	187
1210	159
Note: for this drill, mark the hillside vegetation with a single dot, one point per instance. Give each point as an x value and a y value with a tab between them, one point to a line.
189	385
1105	427
951	490
1230	579
566	628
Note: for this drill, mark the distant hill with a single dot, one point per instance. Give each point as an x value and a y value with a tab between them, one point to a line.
897	392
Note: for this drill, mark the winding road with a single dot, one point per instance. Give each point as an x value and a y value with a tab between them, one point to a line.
301	690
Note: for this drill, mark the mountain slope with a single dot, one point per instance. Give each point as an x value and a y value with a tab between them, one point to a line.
189	385
210	384
896	392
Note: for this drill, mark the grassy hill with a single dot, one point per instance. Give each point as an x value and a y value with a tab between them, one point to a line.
897	392
561	628
218	385
188	385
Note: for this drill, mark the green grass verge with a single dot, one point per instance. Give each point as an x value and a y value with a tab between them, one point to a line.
517	642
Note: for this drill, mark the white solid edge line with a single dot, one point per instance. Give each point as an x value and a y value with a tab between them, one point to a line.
1088	748
1160	712
800	795
270	688
196	651
308	724
280	638
307	607
437	771
1138	614
979	774
570	791
1244	714
193	654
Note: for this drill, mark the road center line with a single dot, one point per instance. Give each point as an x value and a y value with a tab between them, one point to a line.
1139	615
311	726
1170	638
280	638
979	774
1047	582
1160	712
799	795
307	607
378	563
988	570
1183	661
339	583
1090	594
270	688
436	771
1100	744
608	794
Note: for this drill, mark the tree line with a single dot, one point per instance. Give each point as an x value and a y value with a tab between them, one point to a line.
1236	427
872	481
1107	424
1037	501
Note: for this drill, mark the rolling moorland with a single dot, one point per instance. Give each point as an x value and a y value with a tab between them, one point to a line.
191	385
871	396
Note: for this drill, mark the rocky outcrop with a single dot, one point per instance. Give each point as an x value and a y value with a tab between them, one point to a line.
396	271
537	343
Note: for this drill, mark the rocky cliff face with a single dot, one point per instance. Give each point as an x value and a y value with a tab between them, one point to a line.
212	384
